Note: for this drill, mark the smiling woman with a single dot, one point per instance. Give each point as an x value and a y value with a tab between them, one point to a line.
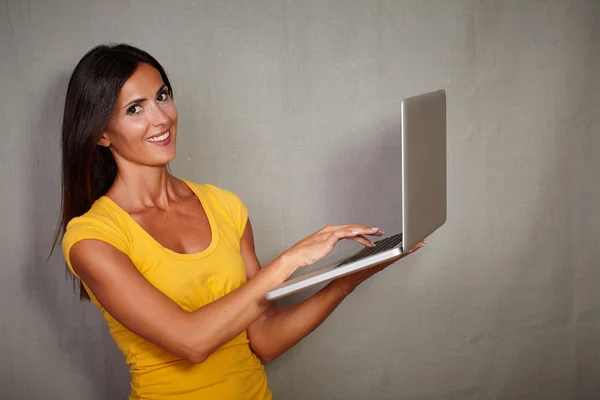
145	113
170	263
143	129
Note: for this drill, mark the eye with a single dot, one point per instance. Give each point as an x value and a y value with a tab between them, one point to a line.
135	109
163	96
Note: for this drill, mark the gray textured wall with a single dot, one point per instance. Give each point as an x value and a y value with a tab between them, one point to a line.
294	106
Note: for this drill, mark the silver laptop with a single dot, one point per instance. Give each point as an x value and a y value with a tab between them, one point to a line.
423	202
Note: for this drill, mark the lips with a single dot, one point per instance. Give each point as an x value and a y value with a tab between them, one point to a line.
159	138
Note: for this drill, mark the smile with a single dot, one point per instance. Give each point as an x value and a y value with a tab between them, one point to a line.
160	138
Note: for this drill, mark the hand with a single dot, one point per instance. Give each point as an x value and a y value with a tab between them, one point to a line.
349	282
316	246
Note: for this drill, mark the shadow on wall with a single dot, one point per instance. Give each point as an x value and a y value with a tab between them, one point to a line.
360	183
79	329
536	308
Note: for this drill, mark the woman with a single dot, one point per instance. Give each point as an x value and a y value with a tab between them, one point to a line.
170	263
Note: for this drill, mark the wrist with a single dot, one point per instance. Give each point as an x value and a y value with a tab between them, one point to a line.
287	264
341	288
284	267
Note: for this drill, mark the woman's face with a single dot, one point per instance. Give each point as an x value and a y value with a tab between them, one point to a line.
143	128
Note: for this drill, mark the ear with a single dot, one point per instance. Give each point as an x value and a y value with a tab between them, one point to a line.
104	140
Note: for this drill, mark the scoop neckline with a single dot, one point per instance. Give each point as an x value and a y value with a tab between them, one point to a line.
183	256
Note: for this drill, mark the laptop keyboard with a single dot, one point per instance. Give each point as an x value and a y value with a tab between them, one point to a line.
380	246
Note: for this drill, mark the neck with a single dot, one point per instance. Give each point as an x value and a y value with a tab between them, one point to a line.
137	187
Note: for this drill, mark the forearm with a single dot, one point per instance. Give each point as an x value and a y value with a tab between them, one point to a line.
286	326
215	324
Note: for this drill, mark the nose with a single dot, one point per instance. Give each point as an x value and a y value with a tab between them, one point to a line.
158	116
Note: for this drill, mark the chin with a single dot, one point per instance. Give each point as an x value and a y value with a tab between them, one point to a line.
169	159
164	159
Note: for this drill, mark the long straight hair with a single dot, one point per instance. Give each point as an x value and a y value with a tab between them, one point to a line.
88	169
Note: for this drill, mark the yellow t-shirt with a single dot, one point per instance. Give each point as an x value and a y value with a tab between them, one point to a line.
191	280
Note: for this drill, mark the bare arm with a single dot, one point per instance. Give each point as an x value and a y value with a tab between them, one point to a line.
118	286
279	329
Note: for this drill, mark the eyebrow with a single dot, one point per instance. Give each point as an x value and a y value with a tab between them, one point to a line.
141	100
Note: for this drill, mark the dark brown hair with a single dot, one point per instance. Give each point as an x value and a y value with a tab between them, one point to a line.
88	169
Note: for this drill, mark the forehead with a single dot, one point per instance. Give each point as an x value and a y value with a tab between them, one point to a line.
144	81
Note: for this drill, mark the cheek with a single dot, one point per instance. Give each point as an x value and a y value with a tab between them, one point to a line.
171	111
130	131
137	129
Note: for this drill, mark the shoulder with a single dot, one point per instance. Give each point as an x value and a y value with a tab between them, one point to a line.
225	202
216	194
101	222
103	213
223	195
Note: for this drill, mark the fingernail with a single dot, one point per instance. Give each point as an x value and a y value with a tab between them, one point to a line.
375	228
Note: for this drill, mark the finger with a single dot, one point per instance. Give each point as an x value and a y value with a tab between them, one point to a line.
417	247
362	240
366	230
342	233
362	229
330	228
355	230
354	235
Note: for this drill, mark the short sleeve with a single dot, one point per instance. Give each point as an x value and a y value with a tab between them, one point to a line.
81	228
234	207
239	213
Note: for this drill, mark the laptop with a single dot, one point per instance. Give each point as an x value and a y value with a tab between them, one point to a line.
423	200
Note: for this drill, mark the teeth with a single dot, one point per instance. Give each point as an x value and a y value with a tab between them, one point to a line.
160	138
